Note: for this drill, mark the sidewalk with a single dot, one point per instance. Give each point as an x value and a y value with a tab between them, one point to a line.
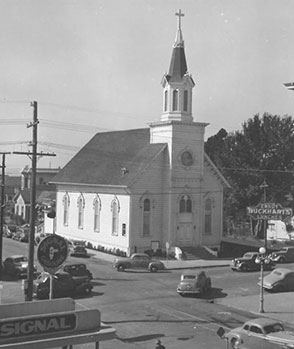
170	264
278	306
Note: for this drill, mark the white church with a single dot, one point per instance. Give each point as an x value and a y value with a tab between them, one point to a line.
149	188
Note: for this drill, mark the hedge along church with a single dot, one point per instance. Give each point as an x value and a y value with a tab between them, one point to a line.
139	189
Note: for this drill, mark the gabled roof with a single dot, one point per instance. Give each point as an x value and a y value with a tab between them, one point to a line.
110	158
224	182
25	194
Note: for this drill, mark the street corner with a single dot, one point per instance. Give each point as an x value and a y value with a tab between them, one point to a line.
278	306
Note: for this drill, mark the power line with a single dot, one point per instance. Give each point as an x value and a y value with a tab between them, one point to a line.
254	170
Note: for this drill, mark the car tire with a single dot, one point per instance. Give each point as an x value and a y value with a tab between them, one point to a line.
282	260
153	269
235	343
244	267
279	289
120	268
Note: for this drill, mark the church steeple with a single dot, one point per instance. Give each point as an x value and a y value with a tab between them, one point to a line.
177	84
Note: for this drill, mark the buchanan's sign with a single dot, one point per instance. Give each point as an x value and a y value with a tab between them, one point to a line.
269	211
37	325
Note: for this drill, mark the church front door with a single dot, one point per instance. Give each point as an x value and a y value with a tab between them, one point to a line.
184	234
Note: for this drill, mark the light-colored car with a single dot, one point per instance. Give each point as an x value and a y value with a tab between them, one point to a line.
138	261
279	280
260	333
194	284
285	254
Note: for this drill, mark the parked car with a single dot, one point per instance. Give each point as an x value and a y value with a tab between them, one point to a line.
195	284
17	234
39	237
17	266
77	269
279	280
258	333
64	285
138	261
7	232
77	248
12	228
286	254
248	262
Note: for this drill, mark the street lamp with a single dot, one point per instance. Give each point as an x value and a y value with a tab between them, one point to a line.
261	259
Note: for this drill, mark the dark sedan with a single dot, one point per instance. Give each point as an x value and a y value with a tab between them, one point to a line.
249	262
17	266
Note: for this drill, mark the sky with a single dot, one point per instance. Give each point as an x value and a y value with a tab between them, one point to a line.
96	66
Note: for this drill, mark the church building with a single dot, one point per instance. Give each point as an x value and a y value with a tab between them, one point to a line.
149	188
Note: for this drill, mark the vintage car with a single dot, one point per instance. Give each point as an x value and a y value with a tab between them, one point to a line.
17	266
77	248
279	280
248	262
138	261
260	333
286	254
77	269
64	285
194	284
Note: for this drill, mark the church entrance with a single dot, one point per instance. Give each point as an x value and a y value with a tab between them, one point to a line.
184	234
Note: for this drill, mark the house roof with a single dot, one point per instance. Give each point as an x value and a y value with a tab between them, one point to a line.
46	196
110	158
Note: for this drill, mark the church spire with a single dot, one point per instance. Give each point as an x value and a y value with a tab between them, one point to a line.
177	83
179	42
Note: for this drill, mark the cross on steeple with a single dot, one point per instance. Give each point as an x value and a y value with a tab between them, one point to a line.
179	14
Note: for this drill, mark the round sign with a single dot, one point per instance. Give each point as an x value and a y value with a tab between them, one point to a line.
52	252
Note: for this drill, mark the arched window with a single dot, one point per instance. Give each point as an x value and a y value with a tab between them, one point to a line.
115	214
185	100
207	219
81	207
65	209
146	217
165	100
175	99
97	209
185	204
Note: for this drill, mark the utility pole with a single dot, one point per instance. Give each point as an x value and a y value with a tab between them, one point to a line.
32	203
33	155
2	211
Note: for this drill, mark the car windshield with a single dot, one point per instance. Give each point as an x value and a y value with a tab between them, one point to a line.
273	328
20	259
277	272
185	277
247	255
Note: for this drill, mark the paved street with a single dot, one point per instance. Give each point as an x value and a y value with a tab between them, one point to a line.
144	306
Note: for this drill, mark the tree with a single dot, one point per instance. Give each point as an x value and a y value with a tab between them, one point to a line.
262	150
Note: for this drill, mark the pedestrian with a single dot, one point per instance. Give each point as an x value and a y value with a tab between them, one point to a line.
159	345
